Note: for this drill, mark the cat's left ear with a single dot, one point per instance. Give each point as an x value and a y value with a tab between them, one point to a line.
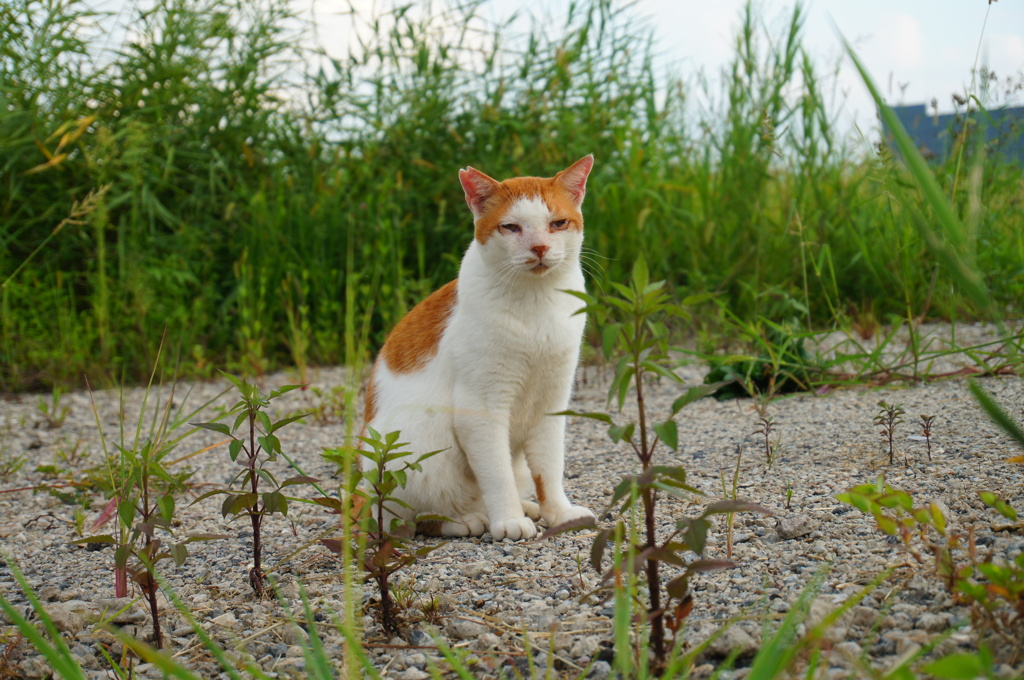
574	178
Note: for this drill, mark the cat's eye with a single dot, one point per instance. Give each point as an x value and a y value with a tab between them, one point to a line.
559	225
510	228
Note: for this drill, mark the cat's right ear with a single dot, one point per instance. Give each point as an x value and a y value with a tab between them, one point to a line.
479	189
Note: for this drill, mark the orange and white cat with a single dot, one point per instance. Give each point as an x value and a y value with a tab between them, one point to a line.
476	367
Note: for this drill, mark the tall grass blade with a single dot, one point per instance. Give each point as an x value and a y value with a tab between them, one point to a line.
950	245
54	649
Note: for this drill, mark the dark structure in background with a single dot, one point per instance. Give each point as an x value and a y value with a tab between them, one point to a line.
936	135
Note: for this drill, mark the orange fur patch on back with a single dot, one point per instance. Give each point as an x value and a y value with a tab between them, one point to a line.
414	340
538	483
554	193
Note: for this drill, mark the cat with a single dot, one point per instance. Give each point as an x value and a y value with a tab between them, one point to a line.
476	367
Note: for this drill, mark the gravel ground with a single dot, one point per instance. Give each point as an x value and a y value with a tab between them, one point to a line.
489	596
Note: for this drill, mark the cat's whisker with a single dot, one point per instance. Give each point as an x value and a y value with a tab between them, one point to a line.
585	250
506	271
593	268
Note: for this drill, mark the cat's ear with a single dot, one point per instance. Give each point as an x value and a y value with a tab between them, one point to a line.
479	189
574	178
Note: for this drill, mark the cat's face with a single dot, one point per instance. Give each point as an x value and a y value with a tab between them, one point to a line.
529	225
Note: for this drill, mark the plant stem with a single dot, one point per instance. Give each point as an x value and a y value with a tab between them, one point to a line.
653	580
256	573
654	586
386	607
151	596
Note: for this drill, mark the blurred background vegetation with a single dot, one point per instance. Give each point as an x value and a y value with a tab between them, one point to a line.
269	206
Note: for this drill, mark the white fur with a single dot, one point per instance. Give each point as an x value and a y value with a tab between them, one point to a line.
506	359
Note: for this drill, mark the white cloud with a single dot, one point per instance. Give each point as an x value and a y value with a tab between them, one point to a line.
901	40
1006	50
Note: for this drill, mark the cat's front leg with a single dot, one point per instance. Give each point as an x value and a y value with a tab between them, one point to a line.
545	455
484	439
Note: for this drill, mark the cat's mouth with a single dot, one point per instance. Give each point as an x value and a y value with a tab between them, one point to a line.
539	268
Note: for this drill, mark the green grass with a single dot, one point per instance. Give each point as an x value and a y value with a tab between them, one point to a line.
257	200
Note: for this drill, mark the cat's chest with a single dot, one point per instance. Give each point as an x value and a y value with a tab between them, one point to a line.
538	325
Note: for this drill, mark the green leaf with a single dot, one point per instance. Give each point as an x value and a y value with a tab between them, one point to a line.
1004	509
609	339
886	524
179	552
622	432
640	274
299	479
668	432
284	390
958	667
622	488
241	385
938	519
999	505
571	525
208	494
285	421
228	504
237	503
695	533
670	472
234	448
166	507
270	444
593	415
598	547
621	384
215	427
266	476
700	566
859	501
274	502
677	587
330	502
625	291
896	499
728	506
333	544
694	393
126	512
665	555
264	421
400	477
205	537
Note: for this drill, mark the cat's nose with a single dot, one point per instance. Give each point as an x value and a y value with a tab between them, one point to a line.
539	251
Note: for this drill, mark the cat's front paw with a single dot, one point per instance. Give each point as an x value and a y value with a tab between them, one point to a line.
470	524
531	510
572	512
516	529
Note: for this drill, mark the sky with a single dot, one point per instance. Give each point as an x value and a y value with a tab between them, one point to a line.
916	50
